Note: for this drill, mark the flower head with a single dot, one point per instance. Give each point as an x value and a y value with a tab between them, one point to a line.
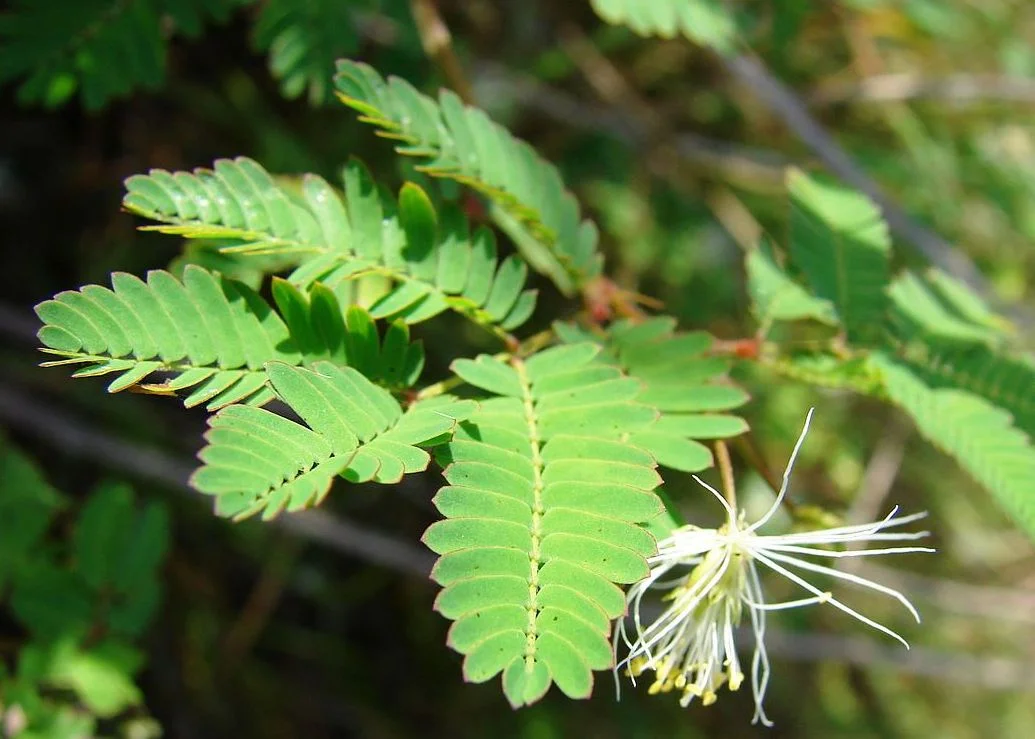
712	579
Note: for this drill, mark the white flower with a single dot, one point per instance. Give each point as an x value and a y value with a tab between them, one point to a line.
690	647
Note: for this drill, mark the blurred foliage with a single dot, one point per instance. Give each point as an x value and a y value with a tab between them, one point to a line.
83	603
106	49
704	21
102	48
684	173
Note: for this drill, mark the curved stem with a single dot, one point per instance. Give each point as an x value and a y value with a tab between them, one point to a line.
729	486
438	45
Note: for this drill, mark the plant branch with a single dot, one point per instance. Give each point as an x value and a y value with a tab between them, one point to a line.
880	473
78	438
439	388
785	104
261	603
729	486
71	436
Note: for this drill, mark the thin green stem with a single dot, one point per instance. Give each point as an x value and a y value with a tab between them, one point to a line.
439	388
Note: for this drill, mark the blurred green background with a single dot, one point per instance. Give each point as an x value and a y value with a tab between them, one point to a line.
322	627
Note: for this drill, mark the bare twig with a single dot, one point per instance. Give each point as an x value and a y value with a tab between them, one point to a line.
438	45
955	89
966	599
990	672
261	603
880	473
879	476
609	83
734	216
747	166
993	673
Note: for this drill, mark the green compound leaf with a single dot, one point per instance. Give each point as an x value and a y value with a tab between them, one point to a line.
542	515
27	503
775	296
688	388
236	200
707	22
303	40
461	143
118	548
259	462
214	335
979	435
1005	381
432	260
841	244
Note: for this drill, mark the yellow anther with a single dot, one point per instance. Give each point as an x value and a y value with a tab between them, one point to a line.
736	678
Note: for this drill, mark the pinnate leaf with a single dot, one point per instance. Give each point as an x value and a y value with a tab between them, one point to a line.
542	515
